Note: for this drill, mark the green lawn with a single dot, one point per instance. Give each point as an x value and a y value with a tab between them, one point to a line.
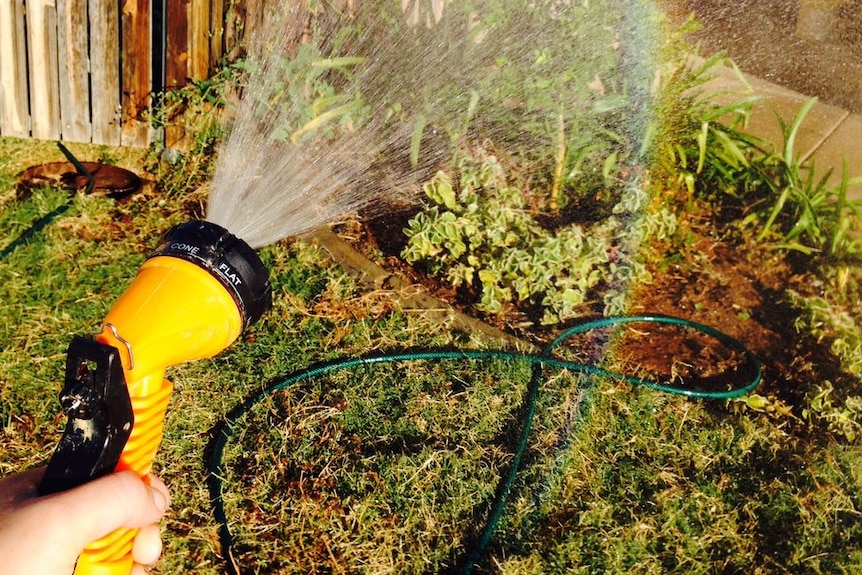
391	469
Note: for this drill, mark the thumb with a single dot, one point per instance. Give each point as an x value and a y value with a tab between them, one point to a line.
118	500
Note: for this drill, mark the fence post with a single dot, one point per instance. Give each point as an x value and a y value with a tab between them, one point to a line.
199	39
192	36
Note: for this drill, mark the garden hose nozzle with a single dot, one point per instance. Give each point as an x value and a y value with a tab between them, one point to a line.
190	300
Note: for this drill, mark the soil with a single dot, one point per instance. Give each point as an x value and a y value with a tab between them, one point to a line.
719	278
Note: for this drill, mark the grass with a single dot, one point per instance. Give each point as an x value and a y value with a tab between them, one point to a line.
392	469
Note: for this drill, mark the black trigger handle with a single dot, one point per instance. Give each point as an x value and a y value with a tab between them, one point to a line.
96	399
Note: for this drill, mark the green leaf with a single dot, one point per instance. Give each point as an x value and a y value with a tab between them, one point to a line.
338	62
756	402
439	190
790	134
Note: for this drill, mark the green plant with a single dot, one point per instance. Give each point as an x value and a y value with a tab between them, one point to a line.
842	415
314	95
481	235
702	147
799	206
697	145
564	106
193	119
197	107
834	319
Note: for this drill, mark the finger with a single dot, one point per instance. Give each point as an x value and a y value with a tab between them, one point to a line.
148	545
98	507
159	485
20	487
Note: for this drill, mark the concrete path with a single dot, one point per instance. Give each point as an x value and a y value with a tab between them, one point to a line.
827	137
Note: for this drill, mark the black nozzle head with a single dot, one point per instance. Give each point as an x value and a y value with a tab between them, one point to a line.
227	258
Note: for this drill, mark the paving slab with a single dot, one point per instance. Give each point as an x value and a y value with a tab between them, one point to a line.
844	143
828	135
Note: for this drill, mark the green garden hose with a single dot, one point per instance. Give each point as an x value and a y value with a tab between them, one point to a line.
544	359
230	424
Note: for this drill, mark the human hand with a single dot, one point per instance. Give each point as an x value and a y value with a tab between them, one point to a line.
43	535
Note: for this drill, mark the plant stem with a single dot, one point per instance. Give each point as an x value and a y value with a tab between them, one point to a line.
557	184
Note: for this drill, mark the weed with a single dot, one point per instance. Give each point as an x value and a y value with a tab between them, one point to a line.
195	117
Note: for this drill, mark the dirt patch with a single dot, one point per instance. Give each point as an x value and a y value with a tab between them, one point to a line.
737	288
720	278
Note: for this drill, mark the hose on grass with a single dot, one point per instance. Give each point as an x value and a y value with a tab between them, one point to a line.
545	359
231	423
43	221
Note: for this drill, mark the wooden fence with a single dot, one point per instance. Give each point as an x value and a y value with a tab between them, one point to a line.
86	70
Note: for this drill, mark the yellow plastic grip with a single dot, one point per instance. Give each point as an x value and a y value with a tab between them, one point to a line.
173	312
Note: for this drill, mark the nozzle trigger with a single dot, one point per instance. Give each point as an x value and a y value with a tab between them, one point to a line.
96	399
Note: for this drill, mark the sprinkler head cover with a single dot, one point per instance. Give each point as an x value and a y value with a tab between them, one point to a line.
227	258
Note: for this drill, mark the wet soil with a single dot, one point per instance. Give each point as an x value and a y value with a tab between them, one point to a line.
718	277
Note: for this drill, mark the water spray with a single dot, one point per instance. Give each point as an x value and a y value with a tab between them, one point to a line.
198	291
203	286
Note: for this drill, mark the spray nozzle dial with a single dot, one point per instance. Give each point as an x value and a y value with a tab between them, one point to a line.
226	257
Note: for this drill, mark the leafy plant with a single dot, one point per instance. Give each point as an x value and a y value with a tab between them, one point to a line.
834	319
699	146
842	416
808	214
196	108
196	113
311	88
702	148
480	234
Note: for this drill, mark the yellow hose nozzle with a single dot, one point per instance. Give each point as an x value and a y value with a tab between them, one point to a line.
190	300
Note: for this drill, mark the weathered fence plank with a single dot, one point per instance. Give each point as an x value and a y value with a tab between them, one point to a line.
137	72
14	103
105	71
199	41
176	43
216	27
43	69
176	60
83	70
72	45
